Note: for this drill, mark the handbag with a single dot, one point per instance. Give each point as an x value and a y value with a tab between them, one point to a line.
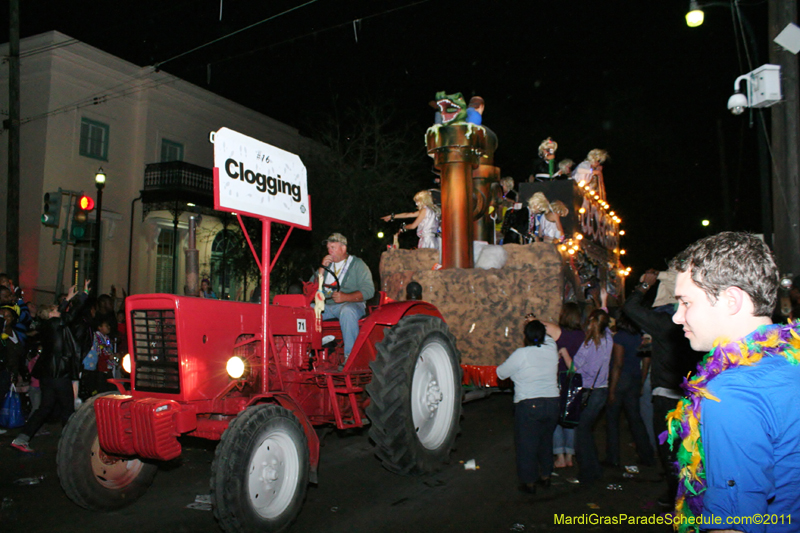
11	413
570	384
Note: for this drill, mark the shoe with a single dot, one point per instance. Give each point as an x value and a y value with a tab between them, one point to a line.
2	431
528	488
543	482
21	446
573	480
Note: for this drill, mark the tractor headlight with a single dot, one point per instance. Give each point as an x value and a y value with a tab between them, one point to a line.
126	363
235	367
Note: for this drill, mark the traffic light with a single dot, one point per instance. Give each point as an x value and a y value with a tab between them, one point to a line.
80	220
51	212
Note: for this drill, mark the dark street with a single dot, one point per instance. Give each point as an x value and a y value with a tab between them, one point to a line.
355	494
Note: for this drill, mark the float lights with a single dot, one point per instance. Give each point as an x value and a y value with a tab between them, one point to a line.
628	269
622	232
582	210
571	251
695	16
622	252
612	213
705	222
563	247
581	183
579	236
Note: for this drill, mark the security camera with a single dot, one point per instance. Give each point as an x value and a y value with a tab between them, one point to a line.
737	103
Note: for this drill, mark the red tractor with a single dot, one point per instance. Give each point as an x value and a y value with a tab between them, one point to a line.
403	374
259	379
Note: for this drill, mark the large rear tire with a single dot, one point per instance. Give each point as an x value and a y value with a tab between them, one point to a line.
90	477
415	392
260	471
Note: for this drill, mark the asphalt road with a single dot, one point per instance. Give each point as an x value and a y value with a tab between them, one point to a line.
355	494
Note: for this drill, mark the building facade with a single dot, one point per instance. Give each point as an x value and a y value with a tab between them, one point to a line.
83	109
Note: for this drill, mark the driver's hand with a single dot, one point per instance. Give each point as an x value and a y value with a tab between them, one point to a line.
327	260
338	297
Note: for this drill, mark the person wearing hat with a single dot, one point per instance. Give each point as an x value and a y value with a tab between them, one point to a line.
347	300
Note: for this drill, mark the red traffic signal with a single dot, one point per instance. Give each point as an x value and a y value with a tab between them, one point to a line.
86	203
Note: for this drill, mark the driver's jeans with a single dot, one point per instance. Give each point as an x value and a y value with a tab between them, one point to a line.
348	314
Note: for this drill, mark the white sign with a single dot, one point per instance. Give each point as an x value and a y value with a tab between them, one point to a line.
301	325
256	179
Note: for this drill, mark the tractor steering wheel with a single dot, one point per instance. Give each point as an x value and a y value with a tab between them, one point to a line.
336	285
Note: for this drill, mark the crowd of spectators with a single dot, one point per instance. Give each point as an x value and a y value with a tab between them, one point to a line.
57	355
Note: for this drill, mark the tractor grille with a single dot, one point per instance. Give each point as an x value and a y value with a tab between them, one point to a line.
155	351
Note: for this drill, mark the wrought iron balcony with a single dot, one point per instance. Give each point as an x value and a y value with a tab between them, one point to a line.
177	182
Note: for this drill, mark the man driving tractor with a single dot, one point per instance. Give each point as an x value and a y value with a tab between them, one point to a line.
347	286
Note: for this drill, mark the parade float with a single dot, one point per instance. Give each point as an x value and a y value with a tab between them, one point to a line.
485	307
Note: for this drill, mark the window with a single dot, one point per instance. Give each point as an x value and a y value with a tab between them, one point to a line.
171	151
223	273
165	255
94	139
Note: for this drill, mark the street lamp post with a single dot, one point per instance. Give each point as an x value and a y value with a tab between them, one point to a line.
100	183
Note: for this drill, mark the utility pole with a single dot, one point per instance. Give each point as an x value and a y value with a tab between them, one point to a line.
12	191
785	144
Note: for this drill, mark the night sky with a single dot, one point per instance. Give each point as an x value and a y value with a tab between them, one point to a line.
625	76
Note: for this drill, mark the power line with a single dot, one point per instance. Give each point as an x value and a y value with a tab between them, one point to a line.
159	64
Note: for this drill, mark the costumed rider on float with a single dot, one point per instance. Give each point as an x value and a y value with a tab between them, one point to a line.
347	287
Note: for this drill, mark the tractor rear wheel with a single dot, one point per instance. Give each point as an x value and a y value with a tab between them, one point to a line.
415	392
260	471
90	477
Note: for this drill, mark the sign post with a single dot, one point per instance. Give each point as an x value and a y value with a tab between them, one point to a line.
259	180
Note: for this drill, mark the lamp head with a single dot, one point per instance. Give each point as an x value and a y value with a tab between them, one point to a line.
695	16
100	178
737	103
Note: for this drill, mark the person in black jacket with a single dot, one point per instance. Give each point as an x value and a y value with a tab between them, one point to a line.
672	359
57	367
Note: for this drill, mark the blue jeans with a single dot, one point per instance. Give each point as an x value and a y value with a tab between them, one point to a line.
627	398
590	469
348	314
534	422
564	440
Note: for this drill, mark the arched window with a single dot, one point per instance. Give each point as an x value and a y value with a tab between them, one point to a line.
223	280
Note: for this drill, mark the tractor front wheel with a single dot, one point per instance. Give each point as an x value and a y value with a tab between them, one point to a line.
260	471
90	477
415	393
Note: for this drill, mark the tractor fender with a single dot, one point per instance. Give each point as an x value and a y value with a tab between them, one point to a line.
286	401
372	328
391	313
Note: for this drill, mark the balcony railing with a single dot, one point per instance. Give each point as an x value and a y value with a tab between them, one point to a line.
174	184
178	175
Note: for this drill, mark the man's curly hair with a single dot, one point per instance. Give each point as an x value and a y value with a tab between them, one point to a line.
733	259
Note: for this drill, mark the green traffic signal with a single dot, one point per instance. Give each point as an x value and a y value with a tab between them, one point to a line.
51	212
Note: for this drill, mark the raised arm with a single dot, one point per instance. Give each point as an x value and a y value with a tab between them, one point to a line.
389	218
